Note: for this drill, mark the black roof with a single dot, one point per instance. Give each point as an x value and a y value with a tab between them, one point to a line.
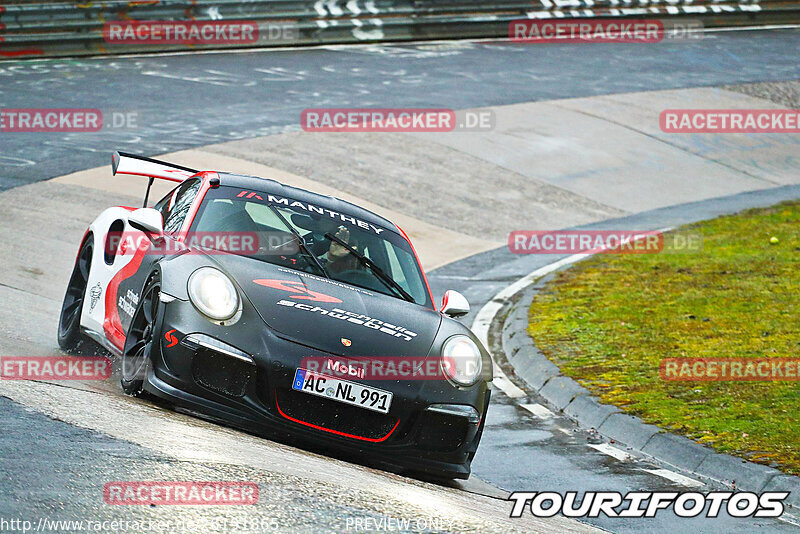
273	187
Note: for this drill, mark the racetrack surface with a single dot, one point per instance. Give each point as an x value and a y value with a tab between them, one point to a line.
190	100
548	164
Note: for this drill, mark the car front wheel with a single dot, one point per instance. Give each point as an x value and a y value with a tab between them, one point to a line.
140	340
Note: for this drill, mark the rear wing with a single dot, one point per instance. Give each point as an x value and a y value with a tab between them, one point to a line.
131	164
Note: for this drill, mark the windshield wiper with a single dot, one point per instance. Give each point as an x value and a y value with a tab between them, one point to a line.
387	280
301	242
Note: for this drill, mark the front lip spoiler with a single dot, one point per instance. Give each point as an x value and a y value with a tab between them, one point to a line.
211	410
338	433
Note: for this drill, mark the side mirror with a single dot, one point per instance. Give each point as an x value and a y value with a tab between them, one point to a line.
148	220
454	304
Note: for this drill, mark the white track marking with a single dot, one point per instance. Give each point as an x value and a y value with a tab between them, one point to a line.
786	518
675	477
754	28
614	452
505	385
486	315
538	410
623	456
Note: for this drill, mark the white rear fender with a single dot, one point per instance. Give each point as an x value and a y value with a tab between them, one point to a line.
109	257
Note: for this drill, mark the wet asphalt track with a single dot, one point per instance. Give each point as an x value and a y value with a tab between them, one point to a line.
184	101
177	98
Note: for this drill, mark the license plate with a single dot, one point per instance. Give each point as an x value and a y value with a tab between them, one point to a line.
342	390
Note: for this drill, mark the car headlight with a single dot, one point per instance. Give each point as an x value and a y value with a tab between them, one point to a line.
461	360
213	293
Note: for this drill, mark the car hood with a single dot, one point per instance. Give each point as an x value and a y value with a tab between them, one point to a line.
332	316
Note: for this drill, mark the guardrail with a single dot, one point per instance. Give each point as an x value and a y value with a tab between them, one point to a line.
37	29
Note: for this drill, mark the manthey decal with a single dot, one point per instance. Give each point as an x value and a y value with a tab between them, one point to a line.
355	318
301	292
310	208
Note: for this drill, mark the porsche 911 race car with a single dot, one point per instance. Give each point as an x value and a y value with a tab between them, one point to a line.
279	310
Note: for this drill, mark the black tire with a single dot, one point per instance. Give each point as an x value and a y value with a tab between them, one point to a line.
140	340
69	322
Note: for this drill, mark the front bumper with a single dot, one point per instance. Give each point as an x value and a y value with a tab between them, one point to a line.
244	379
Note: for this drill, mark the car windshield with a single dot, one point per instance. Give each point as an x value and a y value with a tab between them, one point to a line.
302	236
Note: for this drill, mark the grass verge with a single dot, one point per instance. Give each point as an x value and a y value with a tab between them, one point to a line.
609	321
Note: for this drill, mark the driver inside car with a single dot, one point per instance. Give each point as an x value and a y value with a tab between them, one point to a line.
338	259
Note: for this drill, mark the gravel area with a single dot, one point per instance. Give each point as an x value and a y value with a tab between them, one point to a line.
786	94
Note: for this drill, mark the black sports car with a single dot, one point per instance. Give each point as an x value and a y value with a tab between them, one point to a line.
275	309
